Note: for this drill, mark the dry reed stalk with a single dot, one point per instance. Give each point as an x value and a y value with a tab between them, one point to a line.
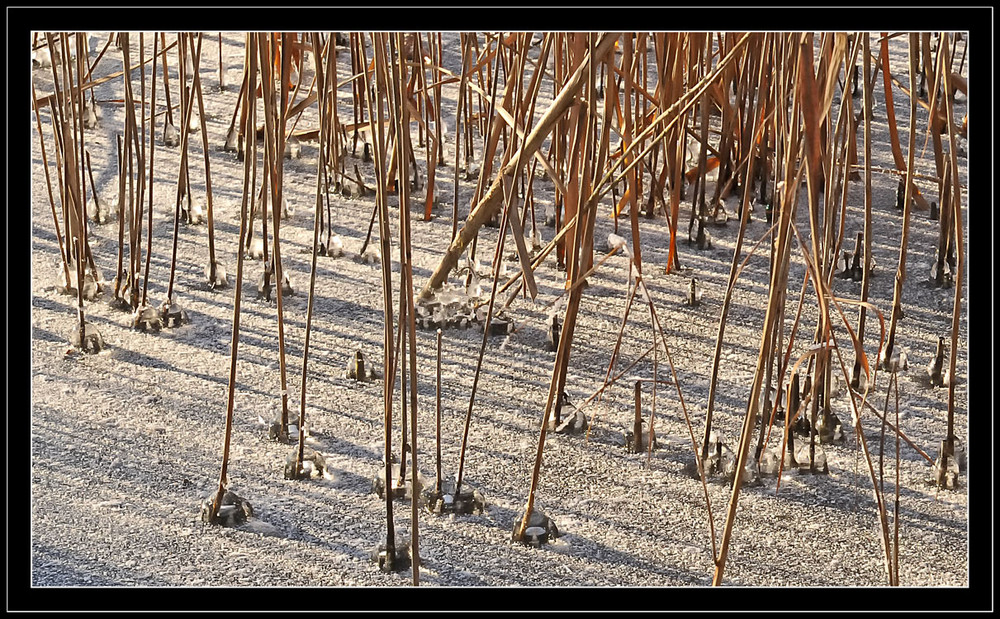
433	151
152	153
321	78
956	205
183	187
866	273
778	282
761	86
48	185
897	292
498	254
458	134
133	141
248	104
437	417
587	124
490	142
491	201
274	143
895	518
71	125
376	113
628	136
213	264
406	285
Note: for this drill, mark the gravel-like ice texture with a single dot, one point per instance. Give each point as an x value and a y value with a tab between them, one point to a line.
127	443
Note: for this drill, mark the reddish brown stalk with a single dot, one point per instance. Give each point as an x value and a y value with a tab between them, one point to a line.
251	155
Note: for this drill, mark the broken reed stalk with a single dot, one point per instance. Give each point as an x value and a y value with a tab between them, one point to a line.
897	289
251	155
637	420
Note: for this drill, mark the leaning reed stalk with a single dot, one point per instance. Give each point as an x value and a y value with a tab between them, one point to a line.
897	289
490	202
251	155
48	184
497	256
579	259
779	278
824	293
761	85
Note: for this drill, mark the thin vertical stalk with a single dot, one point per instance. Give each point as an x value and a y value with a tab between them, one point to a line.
956	205
376	115
865	276
437	416
208	173
320	167
273	154
152	153
244	228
